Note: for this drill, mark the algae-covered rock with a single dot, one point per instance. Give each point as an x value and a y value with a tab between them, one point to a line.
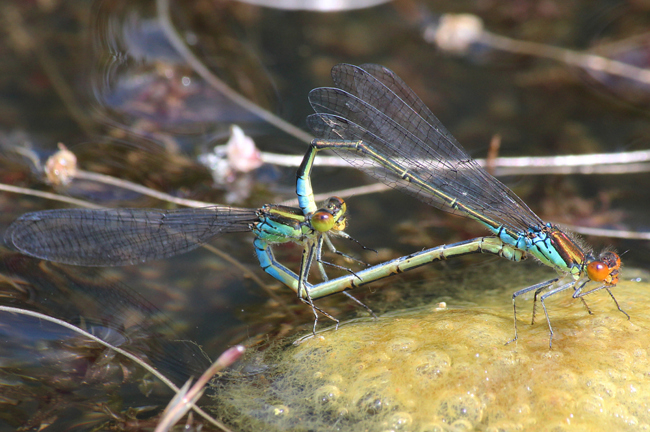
449	369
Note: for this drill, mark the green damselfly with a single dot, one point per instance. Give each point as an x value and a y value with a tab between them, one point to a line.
125	236
378	124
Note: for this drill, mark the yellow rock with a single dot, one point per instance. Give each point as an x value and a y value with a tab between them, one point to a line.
434	369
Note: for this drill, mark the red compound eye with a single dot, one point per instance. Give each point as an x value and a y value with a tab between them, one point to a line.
322	221
598	271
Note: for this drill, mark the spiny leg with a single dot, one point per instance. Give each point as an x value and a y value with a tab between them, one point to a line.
325	237
579	294
537	287
577	290
336	266
349	237
360	303
321	262
532	320
351	258
535	307
616	302
584	302
310	250
308	301
548	318
333	249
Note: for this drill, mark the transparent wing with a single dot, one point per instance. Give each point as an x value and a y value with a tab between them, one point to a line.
113	237
372	104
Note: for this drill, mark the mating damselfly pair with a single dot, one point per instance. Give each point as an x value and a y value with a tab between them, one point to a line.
377	123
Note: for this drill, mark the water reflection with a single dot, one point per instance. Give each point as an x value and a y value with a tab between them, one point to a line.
141	83
56	361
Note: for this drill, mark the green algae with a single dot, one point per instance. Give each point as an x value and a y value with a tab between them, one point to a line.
448	369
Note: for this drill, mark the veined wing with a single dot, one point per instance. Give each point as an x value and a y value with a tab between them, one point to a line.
113	237
372	104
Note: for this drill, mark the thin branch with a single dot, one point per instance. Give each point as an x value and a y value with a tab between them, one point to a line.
604	232
125	184
47	195
121	351
177	42
457	33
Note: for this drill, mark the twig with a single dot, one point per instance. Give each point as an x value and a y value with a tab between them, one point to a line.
196	64
121	351
604	232
47	195
185	399
458	32
125	184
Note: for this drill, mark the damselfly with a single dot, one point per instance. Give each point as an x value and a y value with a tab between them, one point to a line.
378	124
124	236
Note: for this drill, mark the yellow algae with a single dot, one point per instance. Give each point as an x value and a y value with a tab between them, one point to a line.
433	369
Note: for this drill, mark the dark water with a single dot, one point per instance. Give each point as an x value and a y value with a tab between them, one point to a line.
104	79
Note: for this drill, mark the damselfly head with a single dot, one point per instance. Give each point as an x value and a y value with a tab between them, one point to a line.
336	205
605	268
